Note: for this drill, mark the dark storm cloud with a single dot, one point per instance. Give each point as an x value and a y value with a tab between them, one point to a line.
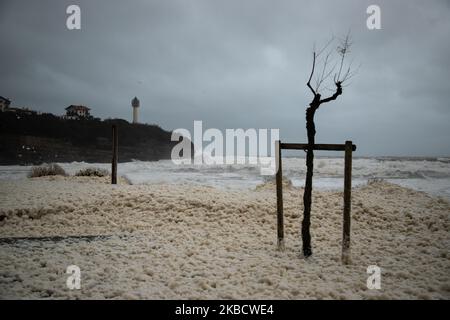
237	64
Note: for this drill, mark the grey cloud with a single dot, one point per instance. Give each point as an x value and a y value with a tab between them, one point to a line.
237	64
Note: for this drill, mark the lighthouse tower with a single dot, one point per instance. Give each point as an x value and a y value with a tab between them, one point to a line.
135	104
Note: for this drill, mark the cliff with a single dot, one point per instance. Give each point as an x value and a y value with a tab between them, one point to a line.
36	138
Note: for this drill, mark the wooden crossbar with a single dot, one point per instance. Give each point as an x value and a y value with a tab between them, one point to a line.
325	147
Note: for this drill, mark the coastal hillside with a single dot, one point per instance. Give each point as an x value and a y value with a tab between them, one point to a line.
38	138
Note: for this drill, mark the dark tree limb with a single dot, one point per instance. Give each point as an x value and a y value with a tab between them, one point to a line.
311	75
335	95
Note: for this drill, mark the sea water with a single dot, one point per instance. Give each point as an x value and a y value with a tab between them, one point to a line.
431	175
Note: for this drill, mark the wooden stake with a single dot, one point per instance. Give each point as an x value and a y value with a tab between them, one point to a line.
115	155
347	203
279	181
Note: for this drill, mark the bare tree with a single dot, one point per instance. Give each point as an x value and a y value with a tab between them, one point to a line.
322	69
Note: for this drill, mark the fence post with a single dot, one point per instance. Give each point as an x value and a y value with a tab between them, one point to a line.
114	156
347	203
279	182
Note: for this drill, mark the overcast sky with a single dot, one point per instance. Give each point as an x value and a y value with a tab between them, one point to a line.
237	64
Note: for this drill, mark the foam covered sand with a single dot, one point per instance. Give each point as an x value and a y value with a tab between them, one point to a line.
195	242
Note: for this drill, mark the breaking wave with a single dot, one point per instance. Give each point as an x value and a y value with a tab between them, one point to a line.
427	174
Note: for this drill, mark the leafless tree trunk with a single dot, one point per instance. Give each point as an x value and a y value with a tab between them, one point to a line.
321	77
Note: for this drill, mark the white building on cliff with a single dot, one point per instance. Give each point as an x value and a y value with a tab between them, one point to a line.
135	105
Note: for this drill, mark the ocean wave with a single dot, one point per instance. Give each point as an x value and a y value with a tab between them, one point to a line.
429	174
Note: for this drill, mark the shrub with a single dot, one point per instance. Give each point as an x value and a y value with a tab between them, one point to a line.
374	180
51	169
92	172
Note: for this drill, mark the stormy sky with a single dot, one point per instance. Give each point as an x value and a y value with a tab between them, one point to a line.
237	64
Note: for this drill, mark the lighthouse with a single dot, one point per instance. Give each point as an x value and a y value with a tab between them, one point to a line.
135	105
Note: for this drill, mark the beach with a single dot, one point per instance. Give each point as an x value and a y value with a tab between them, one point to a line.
186	241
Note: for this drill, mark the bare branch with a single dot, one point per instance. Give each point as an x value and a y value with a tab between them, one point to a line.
350	73
343	49
325	46
344	73
325	72
316	54
312	72
319	79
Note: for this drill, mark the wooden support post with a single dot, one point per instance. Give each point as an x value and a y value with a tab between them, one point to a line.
279	181
115	155
347	203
